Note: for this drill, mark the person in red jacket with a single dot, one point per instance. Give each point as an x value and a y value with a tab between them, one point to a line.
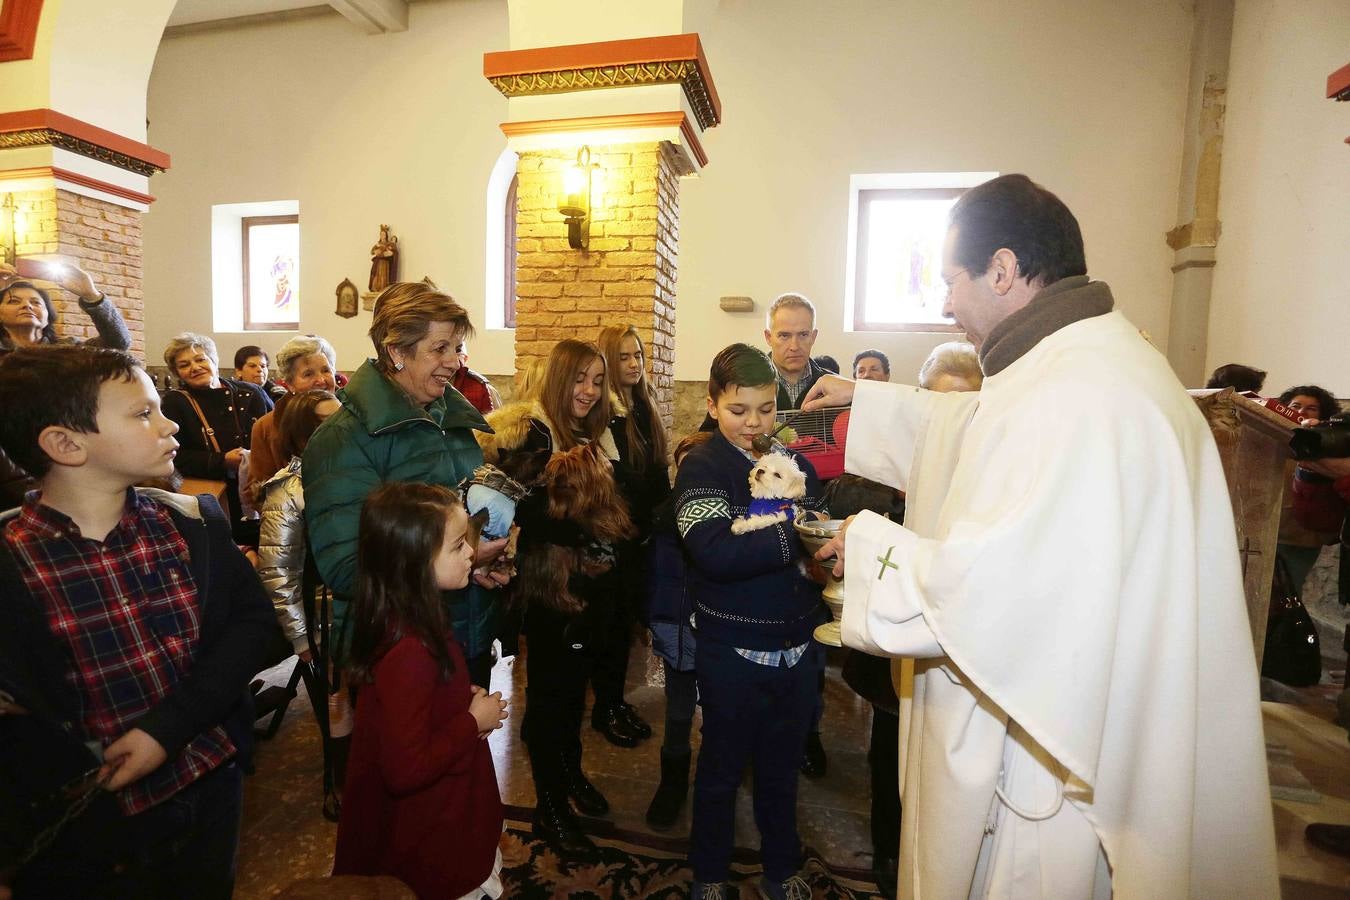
421	801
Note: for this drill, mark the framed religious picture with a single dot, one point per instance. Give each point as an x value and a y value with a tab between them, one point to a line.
271	258
347	299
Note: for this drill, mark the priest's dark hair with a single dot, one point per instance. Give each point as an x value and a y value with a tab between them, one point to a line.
740	365
53	385
401	532
1014	212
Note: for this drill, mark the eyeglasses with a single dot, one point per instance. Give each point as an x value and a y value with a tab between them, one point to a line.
948	283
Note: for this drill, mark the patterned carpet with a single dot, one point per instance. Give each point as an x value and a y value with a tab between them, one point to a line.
642	865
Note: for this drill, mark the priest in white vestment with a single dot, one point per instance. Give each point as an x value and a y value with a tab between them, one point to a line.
1084	719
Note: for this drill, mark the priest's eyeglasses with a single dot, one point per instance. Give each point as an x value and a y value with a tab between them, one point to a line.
950	281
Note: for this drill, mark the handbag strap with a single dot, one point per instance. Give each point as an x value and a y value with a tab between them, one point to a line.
201	417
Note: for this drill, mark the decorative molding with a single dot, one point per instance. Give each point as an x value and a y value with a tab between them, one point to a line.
613	123
60	174
18	28
1338	84
47	127
672	59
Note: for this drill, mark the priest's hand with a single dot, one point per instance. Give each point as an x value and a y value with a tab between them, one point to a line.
488	551
835	548
830	390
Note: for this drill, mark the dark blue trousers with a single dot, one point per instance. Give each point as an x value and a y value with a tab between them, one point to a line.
757	715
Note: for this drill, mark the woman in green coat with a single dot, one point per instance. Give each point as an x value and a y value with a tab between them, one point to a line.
401	421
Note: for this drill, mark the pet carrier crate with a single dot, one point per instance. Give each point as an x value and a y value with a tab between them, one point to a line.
821	435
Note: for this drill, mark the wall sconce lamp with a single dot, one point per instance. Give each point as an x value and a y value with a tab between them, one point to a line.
7	237
575	205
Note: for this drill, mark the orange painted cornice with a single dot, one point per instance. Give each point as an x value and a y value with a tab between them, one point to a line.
39	127
670	59
18	28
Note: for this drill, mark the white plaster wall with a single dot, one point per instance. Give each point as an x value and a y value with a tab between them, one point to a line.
360	129
1087	96
1281	298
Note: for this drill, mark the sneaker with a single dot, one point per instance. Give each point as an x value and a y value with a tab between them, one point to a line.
795	888
713	890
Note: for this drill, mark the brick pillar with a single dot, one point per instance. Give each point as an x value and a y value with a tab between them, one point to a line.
628	274
102	238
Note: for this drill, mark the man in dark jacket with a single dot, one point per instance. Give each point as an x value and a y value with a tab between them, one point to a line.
790	331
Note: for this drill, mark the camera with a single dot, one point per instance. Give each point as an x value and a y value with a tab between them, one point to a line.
1326	440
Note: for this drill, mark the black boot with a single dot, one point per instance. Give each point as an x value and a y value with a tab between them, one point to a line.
555	824
635	722
671	792
606	719
587	797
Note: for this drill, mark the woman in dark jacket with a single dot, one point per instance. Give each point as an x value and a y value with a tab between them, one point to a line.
215	419
563	644
643	477
28	317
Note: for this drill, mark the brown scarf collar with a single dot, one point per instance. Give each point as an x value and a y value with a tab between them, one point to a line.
1066	301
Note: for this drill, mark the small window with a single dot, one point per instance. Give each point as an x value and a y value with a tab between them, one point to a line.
897	225
251	289
271	267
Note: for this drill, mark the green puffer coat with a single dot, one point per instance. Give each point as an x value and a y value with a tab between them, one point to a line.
381	435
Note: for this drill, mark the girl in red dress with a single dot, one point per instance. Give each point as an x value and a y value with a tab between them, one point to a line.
421	800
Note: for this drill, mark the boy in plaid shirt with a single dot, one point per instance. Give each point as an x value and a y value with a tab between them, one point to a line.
132	625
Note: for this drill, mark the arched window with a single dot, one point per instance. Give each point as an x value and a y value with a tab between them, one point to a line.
499	292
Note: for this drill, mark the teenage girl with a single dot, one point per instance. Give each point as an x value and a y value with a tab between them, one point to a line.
644	480
572	408
421	801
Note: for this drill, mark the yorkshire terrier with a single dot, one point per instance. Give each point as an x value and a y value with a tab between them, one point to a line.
581	491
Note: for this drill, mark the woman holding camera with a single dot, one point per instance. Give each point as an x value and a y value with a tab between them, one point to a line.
28	318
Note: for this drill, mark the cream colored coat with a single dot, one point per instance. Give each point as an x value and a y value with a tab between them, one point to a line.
1068	583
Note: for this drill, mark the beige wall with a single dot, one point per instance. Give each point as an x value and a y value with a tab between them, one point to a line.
1087	96
361	130
1280	297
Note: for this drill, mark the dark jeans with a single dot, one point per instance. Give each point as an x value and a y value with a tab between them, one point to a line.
183	847
681	699
556	675
610	676
883	758
757	715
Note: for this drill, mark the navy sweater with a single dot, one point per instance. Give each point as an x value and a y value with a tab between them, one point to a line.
747	589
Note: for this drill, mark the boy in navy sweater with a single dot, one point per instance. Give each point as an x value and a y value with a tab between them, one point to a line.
132	625
754	612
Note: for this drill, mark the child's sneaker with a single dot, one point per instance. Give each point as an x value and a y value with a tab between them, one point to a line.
795	888
713	890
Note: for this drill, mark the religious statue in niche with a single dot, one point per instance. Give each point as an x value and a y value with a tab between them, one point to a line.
346	299
383	261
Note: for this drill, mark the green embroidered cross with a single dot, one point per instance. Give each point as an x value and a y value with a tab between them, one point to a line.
886	563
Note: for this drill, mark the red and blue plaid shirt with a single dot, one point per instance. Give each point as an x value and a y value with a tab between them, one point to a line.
126	611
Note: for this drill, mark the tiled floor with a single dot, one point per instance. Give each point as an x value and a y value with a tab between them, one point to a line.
286	838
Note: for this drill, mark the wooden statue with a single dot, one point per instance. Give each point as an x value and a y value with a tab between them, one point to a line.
384	261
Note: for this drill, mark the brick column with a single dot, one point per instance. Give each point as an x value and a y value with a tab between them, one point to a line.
628	274
102	238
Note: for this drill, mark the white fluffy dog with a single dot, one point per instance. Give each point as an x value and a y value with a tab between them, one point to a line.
776	483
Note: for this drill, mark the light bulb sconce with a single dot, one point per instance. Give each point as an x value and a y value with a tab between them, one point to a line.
575	204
